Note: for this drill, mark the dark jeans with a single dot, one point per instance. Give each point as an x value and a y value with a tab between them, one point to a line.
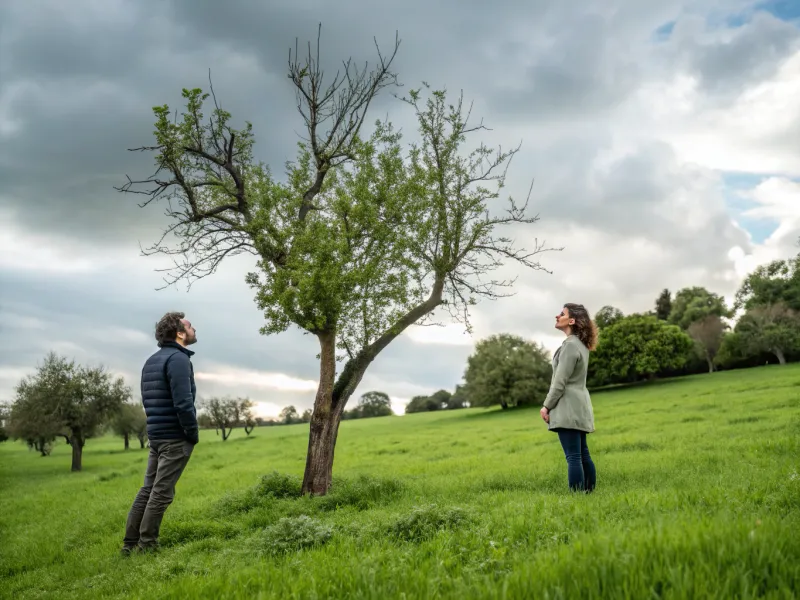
164	467
581	473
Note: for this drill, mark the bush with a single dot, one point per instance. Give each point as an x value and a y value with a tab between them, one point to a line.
279	485
362	493
424	522
291	534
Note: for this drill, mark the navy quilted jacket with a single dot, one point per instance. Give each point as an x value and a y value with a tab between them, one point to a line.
168	394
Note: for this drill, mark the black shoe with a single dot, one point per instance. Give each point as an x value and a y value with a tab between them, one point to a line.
128	550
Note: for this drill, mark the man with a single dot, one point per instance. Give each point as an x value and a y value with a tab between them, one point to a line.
168	396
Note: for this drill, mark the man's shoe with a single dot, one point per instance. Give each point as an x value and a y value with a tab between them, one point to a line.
128	550
149	549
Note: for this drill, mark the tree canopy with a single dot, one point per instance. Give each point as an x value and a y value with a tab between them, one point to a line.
777	282
507	370
607	316
694	304
638	347
360	239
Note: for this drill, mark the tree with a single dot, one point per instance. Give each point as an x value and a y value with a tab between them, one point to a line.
75	400
224	413
773	284
5	413
306	416
289	415
773	328
442	397
694	304
708	333
30	421
130	421
422	404
244	415
638	347
507	370
663	305
361	240
374	404
458	399
607	316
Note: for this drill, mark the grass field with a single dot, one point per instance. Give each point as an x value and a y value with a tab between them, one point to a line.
698	497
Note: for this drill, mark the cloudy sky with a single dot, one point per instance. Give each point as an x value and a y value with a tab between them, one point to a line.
663	138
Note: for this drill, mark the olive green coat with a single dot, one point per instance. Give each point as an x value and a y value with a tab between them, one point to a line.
568	400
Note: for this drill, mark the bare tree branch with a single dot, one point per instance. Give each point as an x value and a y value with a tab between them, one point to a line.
343	105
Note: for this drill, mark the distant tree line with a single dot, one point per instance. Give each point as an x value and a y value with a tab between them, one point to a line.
686	333
690	333
370	405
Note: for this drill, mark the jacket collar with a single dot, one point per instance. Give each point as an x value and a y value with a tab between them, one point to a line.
179	347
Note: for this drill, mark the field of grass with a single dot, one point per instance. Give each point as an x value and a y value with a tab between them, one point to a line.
698	497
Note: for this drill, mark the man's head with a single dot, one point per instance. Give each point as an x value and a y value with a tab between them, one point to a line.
173	327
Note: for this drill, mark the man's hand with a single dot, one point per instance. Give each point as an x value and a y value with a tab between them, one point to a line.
545	414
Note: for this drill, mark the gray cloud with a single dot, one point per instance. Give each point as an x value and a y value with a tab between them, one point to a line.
77	87
727	61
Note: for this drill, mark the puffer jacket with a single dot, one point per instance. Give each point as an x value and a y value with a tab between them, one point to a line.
168	394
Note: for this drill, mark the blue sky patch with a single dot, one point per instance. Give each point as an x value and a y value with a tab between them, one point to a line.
734	185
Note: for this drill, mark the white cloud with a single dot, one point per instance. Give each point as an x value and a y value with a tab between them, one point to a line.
233	377
777	200
449	334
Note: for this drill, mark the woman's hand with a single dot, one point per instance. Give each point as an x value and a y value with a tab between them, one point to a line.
545	414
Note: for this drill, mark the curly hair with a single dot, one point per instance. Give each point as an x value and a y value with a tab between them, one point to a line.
584	328
168	327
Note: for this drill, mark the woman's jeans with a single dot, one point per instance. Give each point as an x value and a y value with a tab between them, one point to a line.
580	468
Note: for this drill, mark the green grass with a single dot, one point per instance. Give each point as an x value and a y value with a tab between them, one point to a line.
698	497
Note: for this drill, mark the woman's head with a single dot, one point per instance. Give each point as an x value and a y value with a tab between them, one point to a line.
574	319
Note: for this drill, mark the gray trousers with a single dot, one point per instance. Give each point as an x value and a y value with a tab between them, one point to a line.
164	467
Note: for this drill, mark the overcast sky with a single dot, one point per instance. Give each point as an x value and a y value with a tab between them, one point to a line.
664	140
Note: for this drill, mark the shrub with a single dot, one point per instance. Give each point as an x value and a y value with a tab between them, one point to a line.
423	522
291	534
279	485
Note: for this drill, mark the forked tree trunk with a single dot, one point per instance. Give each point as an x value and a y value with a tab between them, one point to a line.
710	362
248	429
77	451
325	419
333	394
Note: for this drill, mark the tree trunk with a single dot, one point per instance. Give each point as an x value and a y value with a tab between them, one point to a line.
141	442
248	429
41	447
333	394
324	426
66	439
226	435
710	364
127	441
77	451
778	352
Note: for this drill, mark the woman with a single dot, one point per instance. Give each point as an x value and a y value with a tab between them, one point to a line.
568	408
